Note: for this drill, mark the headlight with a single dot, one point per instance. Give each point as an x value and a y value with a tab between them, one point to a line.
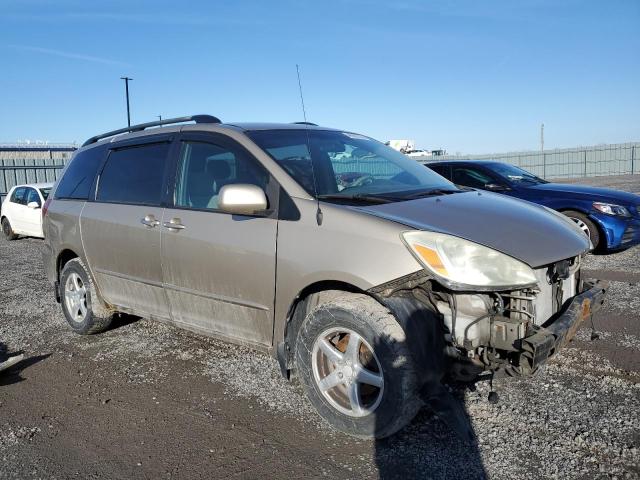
611	209
464	265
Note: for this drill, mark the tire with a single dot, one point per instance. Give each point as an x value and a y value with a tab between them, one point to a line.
587	226
382	351
7	230
83	310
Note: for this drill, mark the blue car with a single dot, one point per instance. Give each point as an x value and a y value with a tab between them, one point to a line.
609	217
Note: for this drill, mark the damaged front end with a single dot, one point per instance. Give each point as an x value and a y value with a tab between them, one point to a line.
510	332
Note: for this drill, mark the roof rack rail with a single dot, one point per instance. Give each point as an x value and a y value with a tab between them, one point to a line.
305	123
159	123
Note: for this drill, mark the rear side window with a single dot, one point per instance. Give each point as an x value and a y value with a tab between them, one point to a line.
134	175
79	176
18	196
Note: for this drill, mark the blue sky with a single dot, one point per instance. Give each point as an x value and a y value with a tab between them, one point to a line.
467	76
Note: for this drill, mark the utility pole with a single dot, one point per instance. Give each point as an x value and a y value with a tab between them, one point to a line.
542	137
160	119
126	87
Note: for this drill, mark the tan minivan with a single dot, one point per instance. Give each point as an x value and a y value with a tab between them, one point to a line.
366	274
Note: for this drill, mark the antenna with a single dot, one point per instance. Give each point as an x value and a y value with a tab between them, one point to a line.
304	113
313	172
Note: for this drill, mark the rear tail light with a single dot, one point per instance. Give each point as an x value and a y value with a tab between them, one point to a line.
45	207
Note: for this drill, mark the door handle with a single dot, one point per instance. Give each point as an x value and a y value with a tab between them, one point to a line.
174	224
150	221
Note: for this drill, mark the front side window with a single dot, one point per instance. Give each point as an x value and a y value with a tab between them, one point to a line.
205	168
45	192
516	175
134	175
443	170
19	196
330	163
32	196
471	177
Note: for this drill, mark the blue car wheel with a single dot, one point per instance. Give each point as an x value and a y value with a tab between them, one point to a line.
586	225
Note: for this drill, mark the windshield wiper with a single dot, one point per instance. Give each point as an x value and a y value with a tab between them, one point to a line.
358	197
432	192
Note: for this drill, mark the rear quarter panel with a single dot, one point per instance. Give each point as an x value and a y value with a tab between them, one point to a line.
61	228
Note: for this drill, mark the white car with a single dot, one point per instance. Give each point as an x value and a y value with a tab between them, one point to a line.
21	210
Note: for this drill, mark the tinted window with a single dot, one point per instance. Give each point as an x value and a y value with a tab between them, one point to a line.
471	177
79	176
205	168
514	174
134	175
32	196
18	195
441	170
45	192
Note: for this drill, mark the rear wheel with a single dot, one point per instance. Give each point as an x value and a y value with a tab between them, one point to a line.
7	230
356	367
589	228
80	303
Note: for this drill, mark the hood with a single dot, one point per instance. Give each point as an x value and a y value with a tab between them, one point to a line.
595	193
520	229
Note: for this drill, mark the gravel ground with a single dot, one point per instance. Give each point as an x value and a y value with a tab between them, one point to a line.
146	399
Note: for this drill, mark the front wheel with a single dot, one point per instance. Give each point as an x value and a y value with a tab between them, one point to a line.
354	362
7	230
585	224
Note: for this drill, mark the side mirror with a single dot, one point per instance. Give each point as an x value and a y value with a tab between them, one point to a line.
242	199
33	205
496	187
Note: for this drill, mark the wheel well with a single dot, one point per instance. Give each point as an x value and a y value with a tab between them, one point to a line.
296	315
601	231
63	258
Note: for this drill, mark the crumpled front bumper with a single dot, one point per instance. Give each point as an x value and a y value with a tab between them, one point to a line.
557	332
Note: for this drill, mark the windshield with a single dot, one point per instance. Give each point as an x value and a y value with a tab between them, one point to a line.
45	192
346	164
515	174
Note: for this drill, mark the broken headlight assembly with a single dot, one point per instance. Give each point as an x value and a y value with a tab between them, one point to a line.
463	265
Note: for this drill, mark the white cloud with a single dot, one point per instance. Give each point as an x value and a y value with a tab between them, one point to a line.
72	55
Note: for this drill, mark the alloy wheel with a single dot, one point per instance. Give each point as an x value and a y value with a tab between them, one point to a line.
582	226
347	372
75	297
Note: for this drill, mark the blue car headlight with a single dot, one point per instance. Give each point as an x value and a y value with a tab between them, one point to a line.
611	209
